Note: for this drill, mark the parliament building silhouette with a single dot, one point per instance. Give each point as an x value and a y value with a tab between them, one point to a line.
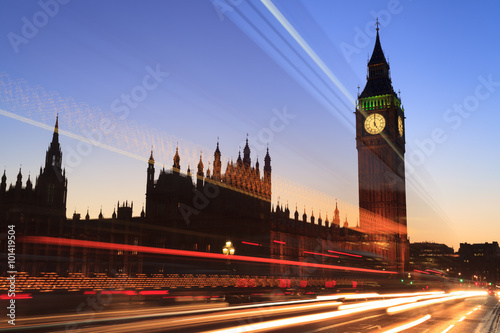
202	211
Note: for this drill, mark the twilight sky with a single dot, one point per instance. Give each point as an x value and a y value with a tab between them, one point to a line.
127	75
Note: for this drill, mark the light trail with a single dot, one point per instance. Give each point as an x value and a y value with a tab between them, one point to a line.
305	46
346	254
185	253
445	298
379	304
409	325
70	134
343	310
321	254
377	295
211	313
361	296
447	329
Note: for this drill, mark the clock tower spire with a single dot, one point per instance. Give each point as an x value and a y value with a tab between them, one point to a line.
380	141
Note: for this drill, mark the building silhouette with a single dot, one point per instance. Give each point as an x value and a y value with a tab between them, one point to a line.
434	256
480	262
38	208
202	211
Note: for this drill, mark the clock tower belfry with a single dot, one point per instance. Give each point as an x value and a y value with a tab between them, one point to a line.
380	141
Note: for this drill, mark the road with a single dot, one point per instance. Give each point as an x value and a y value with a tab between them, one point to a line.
427	312
479	314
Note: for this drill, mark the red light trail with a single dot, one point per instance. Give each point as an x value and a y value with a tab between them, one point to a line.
321	254
346	254
249	243
184	253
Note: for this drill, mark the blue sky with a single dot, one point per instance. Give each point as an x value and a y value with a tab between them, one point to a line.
285	72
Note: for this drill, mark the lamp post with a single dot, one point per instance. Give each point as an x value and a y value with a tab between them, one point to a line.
228	250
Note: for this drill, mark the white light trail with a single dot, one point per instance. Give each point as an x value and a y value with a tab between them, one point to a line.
445	298
449	328
345	311
298	38
409	325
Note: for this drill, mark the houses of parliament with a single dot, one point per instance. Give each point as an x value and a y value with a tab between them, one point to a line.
201	210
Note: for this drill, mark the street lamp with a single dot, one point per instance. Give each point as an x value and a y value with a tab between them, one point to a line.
228	249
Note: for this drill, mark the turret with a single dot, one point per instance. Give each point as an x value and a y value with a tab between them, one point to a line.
176	167
29	185
208	170
246	155
19	181
53	157
200	175
3	185
267	175
51	184
336	215
217	163
151	172
257	168
125	211
267	166
239	161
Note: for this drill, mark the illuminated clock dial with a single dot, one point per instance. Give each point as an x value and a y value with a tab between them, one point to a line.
400	125
374	123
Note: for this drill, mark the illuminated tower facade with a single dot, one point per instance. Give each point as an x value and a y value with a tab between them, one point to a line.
380	141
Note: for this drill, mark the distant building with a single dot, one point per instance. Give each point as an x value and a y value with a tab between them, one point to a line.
434	256
480	261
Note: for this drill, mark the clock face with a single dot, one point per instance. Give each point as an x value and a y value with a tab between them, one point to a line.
375	123
400	125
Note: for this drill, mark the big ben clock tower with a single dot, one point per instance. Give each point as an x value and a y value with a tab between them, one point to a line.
380	141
